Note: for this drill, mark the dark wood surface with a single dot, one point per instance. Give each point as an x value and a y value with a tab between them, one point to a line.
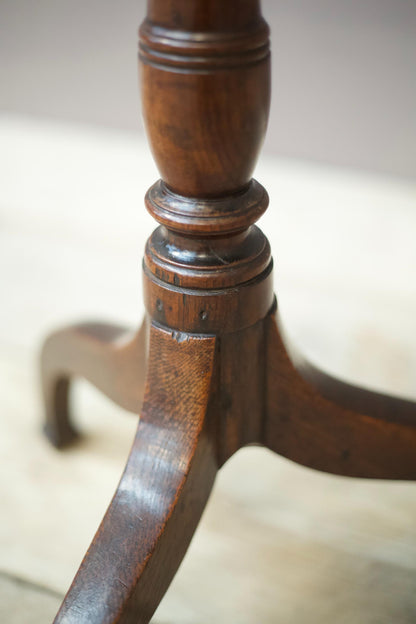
324	423
112	358
219	374
161	495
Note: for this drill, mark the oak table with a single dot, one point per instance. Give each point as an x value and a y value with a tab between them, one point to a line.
210	370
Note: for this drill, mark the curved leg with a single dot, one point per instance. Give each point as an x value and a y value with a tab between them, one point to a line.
329	425
110	357
156	508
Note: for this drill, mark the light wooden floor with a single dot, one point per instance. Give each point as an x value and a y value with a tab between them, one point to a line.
278	543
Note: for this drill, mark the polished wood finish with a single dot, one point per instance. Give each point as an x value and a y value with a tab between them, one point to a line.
206	92
112	358
329	425
162	492
220	373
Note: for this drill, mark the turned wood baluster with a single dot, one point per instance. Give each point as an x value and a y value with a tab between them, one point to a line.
205	75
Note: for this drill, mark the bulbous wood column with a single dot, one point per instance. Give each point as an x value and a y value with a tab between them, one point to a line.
219	374
205	82
205	75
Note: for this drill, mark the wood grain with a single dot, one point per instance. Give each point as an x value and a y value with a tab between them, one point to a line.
329	425
110	357
161	495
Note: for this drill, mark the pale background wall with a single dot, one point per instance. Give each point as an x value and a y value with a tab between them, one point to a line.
343	73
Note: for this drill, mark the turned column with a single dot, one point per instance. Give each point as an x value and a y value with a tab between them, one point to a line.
205	79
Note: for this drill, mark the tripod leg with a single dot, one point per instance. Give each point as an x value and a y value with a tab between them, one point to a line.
110	357
329	425
162	493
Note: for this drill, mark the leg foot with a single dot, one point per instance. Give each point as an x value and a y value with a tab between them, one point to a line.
111	358
58	428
